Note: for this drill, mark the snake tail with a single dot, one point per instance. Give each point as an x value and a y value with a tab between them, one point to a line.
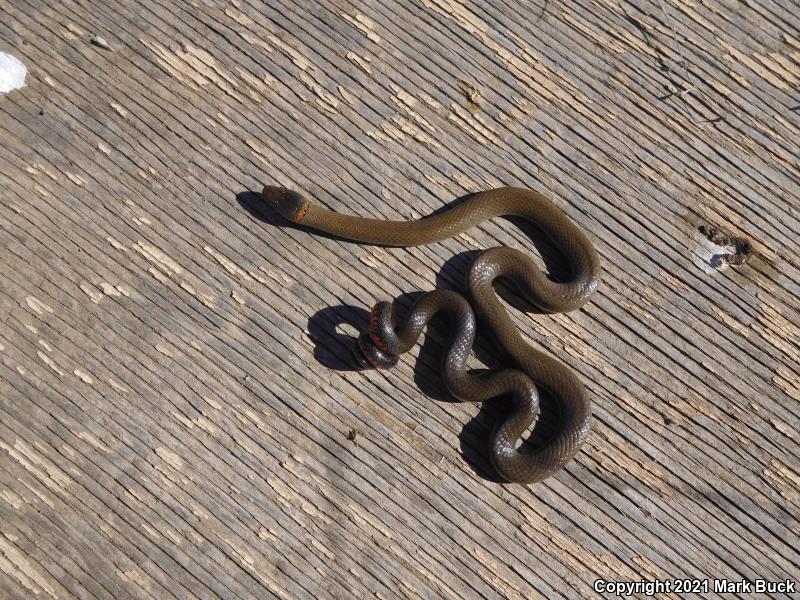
382	345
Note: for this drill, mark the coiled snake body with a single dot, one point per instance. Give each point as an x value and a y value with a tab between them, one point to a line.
385	341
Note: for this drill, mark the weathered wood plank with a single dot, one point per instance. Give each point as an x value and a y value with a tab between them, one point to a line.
171	421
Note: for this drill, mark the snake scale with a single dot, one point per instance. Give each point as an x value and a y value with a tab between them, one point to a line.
526	369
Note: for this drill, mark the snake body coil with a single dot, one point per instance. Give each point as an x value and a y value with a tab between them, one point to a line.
386	340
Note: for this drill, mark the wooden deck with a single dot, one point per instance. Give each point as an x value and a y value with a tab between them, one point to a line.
175	405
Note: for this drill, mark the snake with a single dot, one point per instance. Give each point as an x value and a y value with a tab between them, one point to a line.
525	370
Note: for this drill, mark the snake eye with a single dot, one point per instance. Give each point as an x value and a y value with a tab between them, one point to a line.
369	356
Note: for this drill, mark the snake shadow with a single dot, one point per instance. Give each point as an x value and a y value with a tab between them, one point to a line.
254	204
333	346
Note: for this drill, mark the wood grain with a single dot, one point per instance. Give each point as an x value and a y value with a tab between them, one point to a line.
174	412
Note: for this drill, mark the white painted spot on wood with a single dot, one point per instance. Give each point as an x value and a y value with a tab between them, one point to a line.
40	466
155	255
205	299
239	17
365	25
212	403
37	305
158	275
169	457
117	386
108	289
164	350
76	30
193	66
227	264
83	376
206	425
348	97
361	61
784	428
25	572
90	291
93	440
12	73
11	499
788	382
100	42
50	362
76	179
121	111
116	244
278	276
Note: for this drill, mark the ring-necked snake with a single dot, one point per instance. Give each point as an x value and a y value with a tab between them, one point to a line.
386	339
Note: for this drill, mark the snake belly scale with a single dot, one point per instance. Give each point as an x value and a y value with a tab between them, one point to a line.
526	369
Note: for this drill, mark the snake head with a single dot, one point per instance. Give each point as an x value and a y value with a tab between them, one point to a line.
291	205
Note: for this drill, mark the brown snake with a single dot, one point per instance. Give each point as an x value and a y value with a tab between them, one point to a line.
386	340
